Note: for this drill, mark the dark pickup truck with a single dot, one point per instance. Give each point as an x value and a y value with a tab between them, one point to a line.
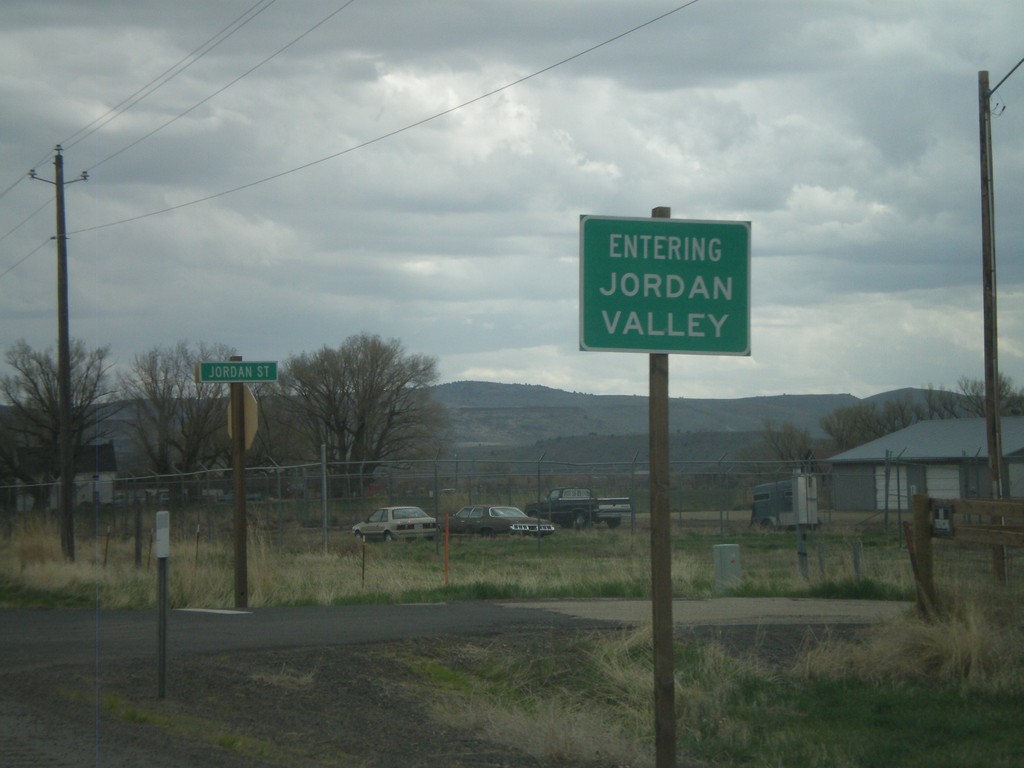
578	508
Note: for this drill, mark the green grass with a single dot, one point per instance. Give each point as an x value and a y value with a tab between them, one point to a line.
290	569
731	711
860	589
14	593
893	725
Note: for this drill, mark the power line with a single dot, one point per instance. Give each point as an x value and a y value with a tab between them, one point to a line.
160	80
221	90
391	134
25	221
167	75
993	90
25	258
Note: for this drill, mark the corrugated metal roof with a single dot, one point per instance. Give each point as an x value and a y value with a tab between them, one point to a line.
941	439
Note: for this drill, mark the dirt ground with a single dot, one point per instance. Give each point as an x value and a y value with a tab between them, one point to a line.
351	706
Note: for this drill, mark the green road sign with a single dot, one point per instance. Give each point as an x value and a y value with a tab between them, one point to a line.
664	285
236	371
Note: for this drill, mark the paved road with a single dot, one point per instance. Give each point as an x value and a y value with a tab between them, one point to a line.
731	610
33	638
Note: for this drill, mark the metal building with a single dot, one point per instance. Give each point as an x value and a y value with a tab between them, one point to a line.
946	458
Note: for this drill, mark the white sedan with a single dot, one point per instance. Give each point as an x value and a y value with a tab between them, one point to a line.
389	523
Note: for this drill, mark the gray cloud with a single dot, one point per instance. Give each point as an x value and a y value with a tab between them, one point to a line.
845	132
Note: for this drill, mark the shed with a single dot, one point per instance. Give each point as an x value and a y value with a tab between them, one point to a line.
946	458
95	473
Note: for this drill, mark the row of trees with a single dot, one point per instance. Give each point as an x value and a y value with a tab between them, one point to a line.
857	424
366	400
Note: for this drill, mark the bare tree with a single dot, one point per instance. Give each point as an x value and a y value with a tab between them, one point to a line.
898	413
851	426
33	419
180	424
788	442
942	404
366	401
972	395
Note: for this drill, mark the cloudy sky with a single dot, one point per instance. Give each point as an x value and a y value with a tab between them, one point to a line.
278	176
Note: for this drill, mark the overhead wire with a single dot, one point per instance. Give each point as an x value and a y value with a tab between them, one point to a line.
23	222
168	74
395	132
25	258
162	79
156	83
221	90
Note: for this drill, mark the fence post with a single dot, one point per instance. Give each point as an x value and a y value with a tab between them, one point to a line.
921	556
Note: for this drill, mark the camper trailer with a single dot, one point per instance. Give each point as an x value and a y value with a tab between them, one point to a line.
786	503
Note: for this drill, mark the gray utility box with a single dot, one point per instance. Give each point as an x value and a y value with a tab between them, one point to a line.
727	566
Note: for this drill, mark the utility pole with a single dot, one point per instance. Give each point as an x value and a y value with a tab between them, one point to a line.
998	486
67	456
993	429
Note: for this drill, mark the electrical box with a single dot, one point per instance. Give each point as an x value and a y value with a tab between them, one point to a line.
727	566
942	520
805	499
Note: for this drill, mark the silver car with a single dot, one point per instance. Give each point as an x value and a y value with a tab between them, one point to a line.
389	523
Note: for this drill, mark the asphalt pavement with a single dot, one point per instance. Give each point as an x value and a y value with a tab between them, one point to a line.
31	638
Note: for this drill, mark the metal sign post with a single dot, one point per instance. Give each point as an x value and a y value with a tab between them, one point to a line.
237	373
238	477
163	550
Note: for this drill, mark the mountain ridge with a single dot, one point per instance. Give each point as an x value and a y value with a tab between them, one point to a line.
487	412
490	420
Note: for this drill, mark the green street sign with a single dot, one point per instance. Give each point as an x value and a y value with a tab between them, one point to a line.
233	371
664	286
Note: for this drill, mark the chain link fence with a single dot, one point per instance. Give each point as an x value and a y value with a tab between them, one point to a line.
340	494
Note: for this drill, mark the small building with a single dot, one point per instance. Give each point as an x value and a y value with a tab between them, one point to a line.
95	474
945	458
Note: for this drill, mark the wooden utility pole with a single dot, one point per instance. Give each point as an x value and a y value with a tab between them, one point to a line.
989	315
661	557
66	448
611	307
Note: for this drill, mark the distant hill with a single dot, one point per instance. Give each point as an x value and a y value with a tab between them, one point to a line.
487	414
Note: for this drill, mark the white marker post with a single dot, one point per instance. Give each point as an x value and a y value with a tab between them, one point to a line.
163	551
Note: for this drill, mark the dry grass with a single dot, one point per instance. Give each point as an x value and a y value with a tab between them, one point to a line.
585	704
285	677
976	645
288	567
554	730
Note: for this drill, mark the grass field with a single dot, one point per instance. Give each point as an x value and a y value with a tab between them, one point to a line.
286	565
909	693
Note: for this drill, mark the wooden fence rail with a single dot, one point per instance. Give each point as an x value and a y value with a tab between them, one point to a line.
964	522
